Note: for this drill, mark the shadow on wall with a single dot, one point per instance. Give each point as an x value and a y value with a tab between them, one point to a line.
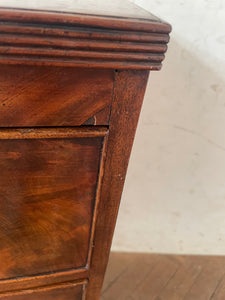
189	88
188	96
177	167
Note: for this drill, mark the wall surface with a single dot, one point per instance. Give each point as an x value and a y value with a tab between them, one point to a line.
174	196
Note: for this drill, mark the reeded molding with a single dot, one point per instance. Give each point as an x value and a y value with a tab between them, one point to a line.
67	39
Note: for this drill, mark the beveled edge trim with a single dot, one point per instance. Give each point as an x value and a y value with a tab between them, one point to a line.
78	32
52	132
23	283
14	286
97	199
44	288
108	22
120	65
68	39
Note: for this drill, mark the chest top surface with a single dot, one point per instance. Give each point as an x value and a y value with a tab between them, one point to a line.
114	8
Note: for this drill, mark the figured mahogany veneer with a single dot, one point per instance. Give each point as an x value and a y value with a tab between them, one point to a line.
55	96
45	209
71	90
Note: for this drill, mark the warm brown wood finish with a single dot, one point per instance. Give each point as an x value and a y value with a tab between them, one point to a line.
71	89
59	292
128	96
47	189
50	133
31	282
71	39
53	96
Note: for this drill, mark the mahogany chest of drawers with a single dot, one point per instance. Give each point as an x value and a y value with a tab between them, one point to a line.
72	81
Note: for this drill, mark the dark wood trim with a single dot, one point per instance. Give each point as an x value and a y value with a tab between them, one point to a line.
77	32
66	39
51	132
60	286
31	282
97	199
128	96
66	18
117	56
120	65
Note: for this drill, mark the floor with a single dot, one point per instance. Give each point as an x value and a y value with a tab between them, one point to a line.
164	277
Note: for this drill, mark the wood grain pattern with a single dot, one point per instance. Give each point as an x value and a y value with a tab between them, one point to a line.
128	280
47	191
207	282
44	96
32	282
66	291
71	90
128	96
141	276
69	39
97	21
101	118
51	133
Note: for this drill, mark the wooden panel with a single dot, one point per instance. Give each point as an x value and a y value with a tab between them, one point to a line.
52	96
66	291
128	96
47	195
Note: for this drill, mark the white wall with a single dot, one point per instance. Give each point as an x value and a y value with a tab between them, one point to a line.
174	196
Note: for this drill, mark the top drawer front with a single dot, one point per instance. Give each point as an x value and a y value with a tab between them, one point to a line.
53	96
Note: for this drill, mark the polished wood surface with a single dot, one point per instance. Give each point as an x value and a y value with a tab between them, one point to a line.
141	276
47	189
51	133
71	90
100	7
35	37
44	96
60	292
128	96
48	279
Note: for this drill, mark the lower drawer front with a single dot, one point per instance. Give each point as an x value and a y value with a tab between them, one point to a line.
48	183
71	291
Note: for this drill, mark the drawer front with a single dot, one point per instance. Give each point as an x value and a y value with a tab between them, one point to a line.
48	184
71	291
54	96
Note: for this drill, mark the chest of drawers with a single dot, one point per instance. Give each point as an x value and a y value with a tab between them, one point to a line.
72	81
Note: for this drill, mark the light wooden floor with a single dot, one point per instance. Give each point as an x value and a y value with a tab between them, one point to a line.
164	277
